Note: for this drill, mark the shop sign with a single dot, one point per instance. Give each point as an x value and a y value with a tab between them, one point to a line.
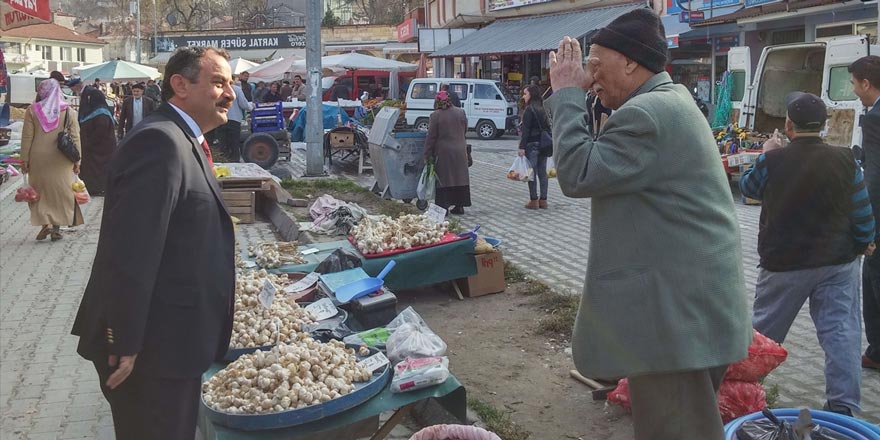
751	3
723	44
675	6
407	31
295	40
691	17
497	5
18	13
672	43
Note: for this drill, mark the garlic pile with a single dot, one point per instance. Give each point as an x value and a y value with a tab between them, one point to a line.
405	232
257	326
286	377
276	254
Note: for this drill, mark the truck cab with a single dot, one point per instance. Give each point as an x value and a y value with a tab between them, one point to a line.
819	68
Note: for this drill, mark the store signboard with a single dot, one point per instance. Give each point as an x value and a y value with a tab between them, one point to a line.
407	31
18	13
723	44
672	43
676	6
294	40
497	5
691	17
751	3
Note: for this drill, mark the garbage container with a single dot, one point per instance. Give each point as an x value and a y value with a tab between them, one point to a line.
462	432
397	157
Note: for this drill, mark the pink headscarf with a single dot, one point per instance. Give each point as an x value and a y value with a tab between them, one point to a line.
50	105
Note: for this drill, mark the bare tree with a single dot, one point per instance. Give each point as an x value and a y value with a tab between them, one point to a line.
382	11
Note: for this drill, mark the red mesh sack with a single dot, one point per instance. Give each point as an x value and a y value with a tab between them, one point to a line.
454	432
737	398
764	356
620	395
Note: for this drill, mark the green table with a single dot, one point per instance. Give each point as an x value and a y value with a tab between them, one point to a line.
358	421
423	267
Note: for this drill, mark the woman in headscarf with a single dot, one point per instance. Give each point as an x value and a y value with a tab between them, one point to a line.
98	139
49	171
446	144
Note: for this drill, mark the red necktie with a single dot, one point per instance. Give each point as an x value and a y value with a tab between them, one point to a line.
207	151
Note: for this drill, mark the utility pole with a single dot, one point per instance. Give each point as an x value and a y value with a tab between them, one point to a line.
314	108
138	31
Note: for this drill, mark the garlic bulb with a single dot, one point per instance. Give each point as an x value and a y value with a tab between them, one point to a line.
256	326
381	234
272	255
290	376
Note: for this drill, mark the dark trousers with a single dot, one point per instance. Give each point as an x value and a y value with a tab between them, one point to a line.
151	408
871	305
677	406
539	164
229	135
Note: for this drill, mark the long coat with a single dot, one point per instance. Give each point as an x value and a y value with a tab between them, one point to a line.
446	141
665	290
51	172
126	115
164	274
99	138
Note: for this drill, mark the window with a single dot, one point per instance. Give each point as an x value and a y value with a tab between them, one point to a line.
80	54
460	89
785	37
839	87
484	91
738	87
424	91
46	51
869	28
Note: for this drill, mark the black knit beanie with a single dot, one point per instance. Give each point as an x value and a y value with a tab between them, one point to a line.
639	35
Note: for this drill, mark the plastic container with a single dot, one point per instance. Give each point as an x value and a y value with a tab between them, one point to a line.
458	432
397	157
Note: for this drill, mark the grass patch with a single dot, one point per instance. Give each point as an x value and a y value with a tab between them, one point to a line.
772	396
561	312
303	188
513	274
498	421
218	156
454	225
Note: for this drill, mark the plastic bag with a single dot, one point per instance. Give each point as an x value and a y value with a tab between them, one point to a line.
26	193
737	398
82	197
458	432
415	341
415	374
338	261
551	168
771	428
427	182
521	170
376	337
764	356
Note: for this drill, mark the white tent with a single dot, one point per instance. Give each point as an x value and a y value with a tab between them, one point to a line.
117	70
355	61
238	65
273	70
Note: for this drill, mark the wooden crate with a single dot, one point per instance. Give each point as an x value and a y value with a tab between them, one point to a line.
241	204
244	184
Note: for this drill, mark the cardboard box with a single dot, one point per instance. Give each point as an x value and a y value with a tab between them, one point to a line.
489	277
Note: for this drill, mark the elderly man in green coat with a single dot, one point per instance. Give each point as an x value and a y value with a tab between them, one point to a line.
664	302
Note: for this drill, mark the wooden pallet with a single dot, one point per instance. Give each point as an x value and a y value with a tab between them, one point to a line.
244	184
241	204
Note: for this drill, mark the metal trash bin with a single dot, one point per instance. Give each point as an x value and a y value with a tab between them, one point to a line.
397	157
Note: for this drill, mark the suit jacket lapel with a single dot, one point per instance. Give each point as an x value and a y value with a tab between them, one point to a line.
168	111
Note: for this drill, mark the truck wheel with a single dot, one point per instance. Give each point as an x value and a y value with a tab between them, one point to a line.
261	149
421	124
486	130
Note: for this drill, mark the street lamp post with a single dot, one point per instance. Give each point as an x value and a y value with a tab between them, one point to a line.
138	31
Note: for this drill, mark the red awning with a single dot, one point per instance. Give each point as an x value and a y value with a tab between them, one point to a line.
18	13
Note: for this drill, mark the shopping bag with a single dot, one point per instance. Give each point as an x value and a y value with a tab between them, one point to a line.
427	181
80	193
26	193
551	167
521	170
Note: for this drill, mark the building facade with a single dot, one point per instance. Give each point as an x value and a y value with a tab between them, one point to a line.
49	47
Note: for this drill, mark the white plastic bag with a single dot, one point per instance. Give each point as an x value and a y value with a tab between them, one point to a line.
427	182
415	374
551	167
521	170
411	337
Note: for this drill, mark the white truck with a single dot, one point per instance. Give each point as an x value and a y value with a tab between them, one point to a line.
819	68
23	89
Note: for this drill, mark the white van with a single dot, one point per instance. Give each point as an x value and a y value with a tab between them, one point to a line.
490	111
819	68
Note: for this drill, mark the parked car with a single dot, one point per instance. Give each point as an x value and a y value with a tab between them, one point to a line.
490	111
374	82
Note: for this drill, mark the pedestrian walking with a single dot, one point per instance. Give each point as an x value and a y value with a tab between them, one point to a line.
816	220
230	133
134	109
865	78
49	171
98	129
157	310
534	124
445	144
664	301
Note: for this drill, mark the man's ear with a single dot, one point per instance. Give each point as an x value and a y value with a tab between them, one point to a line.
631	66
180	85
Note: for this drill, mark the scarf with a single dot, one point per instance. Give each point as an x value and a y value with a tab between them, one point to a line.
96	113
50	104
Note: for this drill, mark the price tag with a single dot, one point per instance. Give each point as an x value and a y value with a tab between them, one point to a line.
303	284
249	263
309	251
435	213
322	309
267	295
374	362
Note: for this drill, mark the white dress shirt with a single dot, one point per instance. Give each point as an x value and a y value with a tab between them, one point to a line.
137	111
191	123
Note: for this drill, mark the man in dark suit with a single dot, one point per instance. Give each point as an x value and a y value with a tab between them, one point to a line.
157	310
865	80
134	109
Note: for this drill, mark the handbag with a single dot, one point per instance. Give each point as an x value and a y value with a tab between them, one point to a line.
66	144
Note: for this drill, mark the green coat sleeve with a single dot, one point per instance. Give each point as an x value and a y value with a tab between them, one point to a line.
617	162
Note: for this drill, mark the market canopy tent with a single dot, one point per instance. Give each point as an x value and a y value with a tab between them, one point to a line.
238	65
117	70
355	61
273	70
18	13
